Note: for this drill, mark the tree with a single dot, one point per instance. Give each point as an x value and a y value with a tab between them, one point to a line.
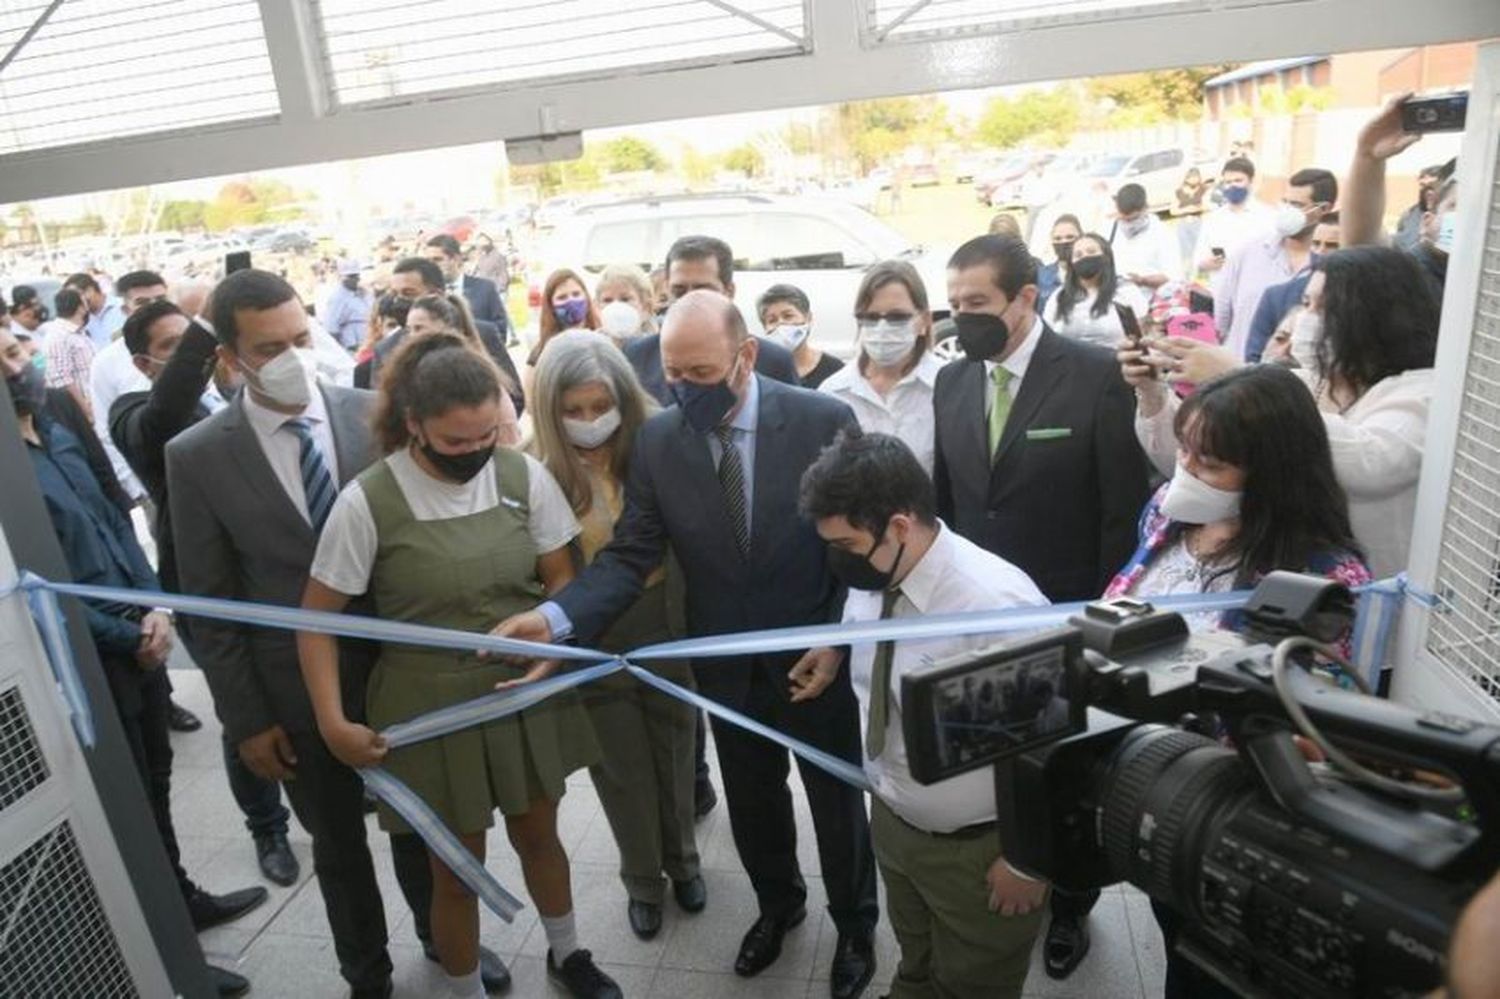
1160	95
874	131
746	159
1275	100
183	216
628	154
696	168
250	202
1048	115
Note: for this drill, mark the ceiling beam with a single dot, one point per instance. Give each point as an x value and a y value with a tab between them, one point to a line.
29	34
838	69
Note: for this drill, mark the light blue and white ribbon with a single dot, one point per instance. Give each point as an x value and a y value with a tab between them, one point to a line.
1378	605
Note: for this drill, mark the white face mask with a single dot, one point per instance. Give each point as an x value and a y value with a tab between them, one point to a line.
1190	500
1290	220
589	434
620	320
888	344
1447	226
788	336
1307	332
286	379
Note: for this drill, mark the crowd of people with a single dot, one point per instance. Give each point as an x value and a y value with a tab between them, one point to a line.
656	469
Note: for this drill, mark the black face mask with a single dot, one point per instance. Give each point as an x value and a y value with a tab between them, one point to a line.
1064	251
28	389
1088	267
856	572
460	467
981	335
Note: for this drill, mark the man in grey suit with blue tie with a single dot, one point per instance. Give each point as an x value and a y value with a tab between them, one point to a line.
249	489
717	478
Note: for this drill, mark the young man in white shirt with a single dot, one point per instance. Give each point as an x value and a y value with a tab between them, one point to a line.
1146	252
964	919
1238	220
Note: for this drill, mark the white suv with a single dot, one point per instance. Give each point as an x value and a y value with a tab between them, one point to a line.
821	245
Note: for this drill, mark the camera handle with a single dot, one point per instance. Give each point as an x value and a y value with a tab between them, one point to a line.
1243	695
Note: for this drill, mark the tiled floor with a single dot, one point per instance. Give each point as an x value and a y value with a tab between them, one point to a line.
285	949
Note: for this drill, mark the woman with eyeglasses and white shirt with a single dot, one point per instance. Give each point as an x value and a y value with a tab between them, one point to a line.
890	384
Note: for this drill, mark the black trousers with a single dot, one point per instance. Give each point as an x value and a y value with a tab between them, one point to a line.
149	738
755	772
259	799
328	799
1075	904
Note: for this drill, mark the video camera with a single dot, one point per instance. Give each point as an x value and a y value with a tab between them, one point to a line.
1292	878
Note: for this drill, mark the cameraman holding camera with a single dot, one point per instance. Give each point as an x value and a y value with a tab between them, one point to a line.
964	919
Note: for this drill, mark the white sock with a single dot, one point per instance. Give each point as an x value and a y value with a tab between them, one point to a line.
466	986
562	936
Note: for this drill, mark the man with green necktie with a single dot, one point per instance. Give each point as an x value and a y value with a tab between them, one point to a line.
964	919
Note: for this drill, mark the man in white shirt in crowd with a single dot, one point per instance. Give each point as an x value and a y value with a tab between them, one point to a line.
1238	220
1279	255
66	345
1146	253
114	372
106	314
346	310
965	919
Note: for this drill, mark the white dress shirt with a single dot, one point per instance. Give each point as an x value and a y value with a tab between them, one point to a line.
954	575
283	447
1228	229
1017	364
1377	457
1153	251
114	374
905	412
1104	330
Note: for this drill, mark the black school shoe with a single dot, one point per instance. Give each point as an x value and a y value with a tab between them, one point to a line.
582	977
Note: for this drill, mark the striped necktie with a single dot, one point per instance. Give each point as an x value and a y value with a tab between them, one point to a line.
317	484
732	481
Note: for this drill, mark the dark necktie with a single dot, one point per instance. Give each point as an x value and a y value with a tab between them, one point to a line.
732	481
880	683
317	484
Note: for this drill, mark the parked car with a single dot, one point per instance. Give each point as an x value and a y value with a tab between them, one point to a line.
819	244
1010	169
925	175
1159	171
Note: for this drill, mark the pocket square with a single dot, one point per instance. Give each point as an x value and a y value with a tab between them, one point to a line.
1048	433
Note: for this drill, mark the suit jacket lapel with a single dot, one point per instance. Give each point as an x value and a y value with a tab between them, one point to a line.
973	427
250	460
1042	376
348	436
702	480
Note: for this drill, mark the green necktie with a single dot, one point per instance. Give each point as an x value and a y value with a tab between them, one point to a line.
1000	407
880	683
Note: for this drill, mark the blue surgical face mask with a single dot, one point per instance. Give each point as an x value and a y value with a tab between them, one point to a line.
1235	194
572	312
705	406
1447	225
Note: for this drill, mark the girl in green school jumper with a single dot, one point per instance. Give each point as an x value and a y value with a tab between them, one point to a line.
451	530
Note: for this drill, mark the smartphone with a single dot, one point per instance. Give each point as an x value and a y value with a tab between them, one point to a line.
1444	113
239	260
1130	325
1217	251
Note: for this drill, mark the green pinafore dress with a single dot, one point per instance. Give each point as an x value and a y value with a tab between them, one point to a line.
467	573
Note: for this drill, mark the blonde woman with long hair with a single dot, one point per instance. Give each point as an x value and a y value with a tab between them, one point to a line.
587	408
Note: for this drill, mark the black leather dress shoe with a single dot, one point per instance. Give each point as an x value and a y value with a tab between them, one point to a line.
691	895
1067	944
645	918
762	945
704	798
493	974
853	966
213	910
180	719
582	977
277	861
227	983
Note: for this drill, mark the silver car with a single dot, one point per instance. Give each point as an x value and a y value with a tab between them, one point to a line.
821	245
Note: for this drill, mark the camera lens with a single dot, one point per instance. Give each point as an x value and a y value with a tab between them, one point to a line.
1165	789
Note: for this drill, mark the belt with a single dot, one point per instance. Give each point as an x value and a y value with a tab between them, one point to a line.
974	831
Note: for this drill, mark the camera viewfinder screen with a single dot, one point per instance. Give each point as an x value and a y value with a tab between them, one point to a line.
999	707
